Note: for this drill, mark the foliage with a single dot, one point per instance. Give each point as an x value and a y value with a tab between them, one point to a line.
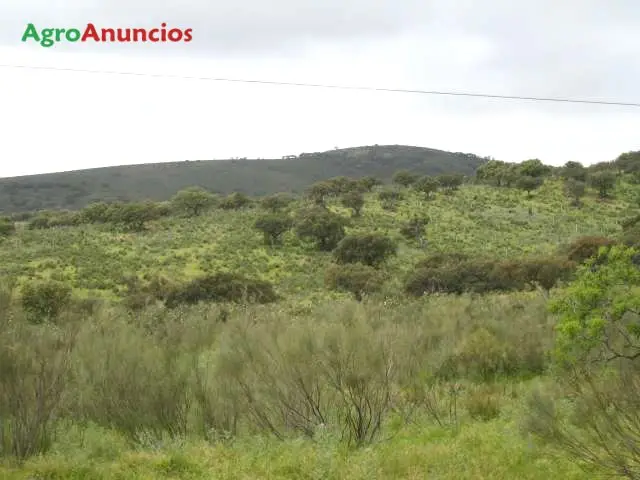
604	182
45	300
529	183
598	312
355	278
451	181
369	249
192	201
355	201
235	201
415	229
575	189
584	248
273	226
7	227
325	228
277	202
426	185
404	178
222	287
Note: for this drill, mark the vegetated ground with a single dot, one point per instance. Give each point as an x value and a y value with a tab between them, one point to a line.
456	368
158	181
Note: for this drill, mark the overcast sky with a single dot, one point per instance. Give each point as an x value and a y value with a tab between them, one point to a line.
56	121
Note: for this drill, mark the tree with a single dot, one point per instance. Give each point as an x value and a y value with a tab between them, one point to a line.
596	356
497	173
273	226
357	279
628	162
235	201
404	178
369	249
450	182
319	191
354	201
529	184
192	201
574	171
426	185
534	168
575	189
133	216
603	181
276	202
369	182
323	227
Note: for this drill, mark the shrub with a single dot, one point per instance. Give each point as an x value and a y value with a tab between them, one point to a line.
357	279
192	201
404	178
355	201
235	201
276	202
44	300
370	249
323	227
222	287
584	248
273	226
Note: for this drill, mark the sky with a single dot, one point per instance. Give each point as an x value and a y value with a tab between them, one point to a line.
53	120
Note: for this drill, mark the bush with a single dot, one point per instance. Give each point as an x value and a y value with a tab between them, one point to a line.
276	202
45	300
192	201
369	249
222	287
323	227
584	248
235	201
455	273
273	226
357	279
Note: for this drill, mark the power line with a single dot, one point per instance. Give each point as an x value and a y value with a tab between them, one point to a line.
320	85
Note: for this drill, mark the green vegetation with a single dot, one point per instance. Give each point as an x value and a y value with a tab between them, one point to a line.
158	182
441	326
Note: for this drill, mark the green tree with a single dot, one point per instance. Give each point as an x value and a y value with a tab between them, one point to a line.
534	168
323	227
235	201
575	189
369	182
529	184
355	201
574	171
404	178
356	279
192	201
273	226
603	181
451	181
276	202
369	249
319	191
426	185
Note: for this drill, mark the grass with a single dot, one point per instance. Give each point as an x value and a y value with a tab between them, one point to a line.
129	372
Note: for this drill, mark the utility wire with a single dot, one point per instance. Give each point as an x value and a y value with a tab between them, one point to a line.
319	85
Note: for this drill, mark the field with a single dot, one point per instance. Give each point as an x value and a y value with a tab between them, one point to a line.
314	385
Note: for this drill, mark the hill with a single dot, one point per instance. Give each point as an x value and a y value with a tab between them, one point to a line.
158	181
193	345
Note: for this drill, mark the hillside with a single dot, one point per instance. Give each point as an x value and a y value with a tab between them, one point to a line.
259	339
73	190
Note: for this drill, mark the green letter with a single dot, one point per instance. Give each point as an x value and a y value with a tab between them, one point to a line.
47	33
31	32
73	35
